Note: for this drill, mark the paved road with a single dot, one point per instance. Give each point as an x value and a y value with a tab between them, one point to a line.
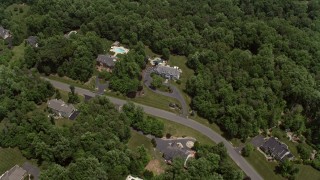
176	94
238	159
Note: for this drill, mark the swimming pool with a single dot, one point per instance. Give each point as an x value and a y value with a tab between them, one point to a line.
119	50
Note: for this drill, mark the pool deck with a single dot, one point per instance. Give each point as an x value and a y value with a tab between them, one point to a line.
116	52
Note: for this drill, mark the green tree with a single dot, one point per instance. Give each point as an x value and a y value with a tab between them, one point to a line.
156	81
247	150
287	169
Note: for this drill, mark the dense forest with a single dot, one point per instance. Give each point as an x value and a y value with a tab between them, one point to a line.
256	62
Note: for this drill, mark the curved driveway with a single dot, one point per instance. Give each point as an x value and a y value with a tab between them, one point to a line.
237	158
176	94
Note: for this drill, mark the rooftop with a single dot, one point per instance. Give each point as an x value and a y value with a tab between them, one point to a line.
33	41
61	106
173	71
4	33
276	149
172	148
15	173
107	60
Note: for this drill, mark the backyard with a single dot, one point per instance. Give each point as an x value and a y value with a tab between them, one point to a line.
10	157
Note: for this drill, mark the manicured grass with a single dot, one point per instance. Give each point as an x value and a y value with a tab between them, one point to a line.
307	172
155	100
10	157
187	73
137	140
63	122
178	130
264	168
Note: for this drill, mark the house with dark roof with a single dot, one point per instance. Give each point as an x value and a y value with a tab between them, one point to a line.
173	148
15	173
60	108
276	149
106	61
4	33
168	72
32	41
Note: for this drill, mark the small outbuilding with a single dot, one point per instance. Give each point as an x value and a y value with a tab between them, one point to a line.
32	41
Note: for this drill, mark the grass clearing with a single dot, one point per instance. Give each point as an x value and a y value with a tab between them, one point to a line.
150	53
10	157
155	100
179	130
264	168
18	12
63	122
157	165
307	173
187	73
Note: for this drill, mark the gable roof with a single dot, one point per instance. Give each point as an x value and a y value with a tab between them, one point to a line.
15	173
168	70
32	40
107	60
4	33
276	149
61	106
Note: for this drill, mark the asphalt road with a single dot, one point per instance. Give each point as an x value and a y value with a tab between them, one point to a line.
237	158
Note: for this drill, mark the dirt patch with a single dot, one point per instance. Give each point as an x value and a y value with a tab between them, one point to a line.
155	166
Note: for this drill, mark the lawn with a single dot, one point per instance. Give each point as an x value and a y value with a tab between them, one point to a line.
178	130
155	100
187	73
155	156
62	122
264	168
307	173
150	53
10	157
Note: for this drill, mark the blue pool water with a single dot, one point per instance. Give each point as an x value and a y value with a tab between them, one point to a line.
119	50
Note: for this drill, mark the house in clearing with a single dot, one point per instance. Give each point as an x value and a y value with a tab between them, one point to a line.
4	33
173	148
106	61
276	149
168	72
32	41
60	108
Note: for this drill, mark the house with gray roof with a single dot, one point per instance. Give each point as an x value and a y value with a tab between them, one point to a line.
276	149
4	33
15	173
106	61
173	148
168	72
60	108
32	41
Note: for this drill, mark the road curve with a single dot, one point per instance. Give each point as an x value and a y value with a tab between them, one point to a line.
237	158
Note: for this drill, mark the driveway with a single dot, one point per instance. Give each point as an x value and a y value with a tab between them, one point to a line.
176	94
237	158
